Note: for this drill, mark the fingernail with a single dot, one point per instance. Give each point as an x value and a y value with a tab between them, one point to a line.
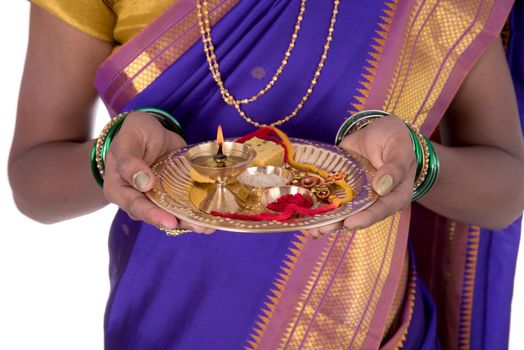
384	185
169	224
354	228
140	180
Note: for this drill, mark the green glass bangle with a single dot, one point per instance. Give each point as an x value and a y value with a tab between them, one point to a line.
417	148
97	155
435	166
431	177
166	119
109	138
94	167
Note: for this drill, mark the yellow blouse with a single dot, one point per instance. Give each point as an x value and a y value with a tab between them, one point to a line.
109	20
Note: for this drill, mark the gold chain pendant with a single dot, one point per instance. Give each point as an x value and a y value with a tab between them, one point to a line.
205	31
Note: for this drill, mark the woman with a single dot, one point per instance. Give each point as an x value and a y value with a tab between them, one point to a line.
431	64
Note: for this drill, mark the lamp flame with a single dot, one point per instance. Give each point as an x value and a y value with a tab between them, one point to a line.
220	157
220	136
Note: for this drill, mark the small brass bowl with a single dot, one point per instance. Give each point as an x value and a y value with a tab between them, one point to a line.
274	193
249	177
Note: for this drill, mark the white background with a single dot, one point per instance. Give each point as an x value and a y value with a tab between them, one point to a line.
53	279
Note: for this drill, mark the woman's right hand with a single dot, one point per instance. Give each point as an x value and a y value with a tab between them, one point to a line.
139	142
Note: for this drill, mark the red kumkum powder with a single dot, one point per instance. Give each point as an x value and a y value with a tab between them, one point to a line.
283	202
286	214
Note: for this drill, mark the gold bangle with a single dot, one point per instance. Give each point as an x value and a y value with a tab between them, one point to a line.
101	140
425	155
425	159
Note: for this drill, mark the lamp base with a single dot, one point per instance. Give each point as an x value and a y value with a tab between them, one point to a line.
221	199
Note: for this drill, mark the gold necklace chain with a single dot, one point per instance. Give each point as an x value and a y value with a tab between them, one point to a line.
205	31
203	13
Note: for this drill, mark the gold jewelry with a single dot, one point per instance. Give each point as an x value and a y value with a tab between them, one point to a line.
205	31
173	232
358	121
209	47
101	140
425	160
425	155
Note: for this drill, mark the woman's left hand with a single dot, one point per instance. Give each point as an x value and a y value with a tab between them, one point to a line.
386	143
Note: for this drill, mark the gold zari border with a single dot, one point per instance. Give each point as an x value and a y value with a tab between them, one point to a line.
338	303
430	51
162	53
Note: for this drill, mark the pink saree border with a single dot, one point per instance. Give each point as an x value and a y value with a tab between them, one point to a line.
134	47
396	341
132	67
392	48
307	260
391	284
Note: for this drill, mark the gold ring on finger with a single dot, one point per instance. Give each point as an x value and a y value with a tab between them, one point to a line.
173	232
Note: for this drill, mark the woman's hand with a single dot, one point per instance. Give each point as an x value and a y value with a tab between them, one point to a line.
386	143
138	143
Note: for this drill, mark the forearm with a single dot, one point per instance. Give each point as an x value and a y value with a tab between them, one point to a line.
52	182
478	185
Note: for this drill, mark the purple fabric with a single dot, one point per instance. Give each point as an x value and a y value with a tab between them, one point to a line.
498	249
516	53
496	262
190	292
422	331
202	292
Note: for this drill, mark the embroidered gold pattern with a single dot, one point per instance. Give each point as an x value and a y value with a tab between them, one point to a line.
468	288
154	60
410	300
338	303
428	56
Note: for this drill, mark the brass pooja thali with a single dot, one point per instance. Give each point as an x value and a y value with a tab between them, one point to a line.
177	192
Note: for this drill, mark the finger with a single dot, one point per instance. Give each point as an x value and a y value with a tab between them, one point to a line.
323	230
396	200
315	234
140	208
141	140
136	203
398	159
133	170
353	142
195	228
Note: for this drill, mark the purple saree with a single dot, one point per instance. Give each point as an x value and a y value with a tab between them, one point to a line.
284	290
